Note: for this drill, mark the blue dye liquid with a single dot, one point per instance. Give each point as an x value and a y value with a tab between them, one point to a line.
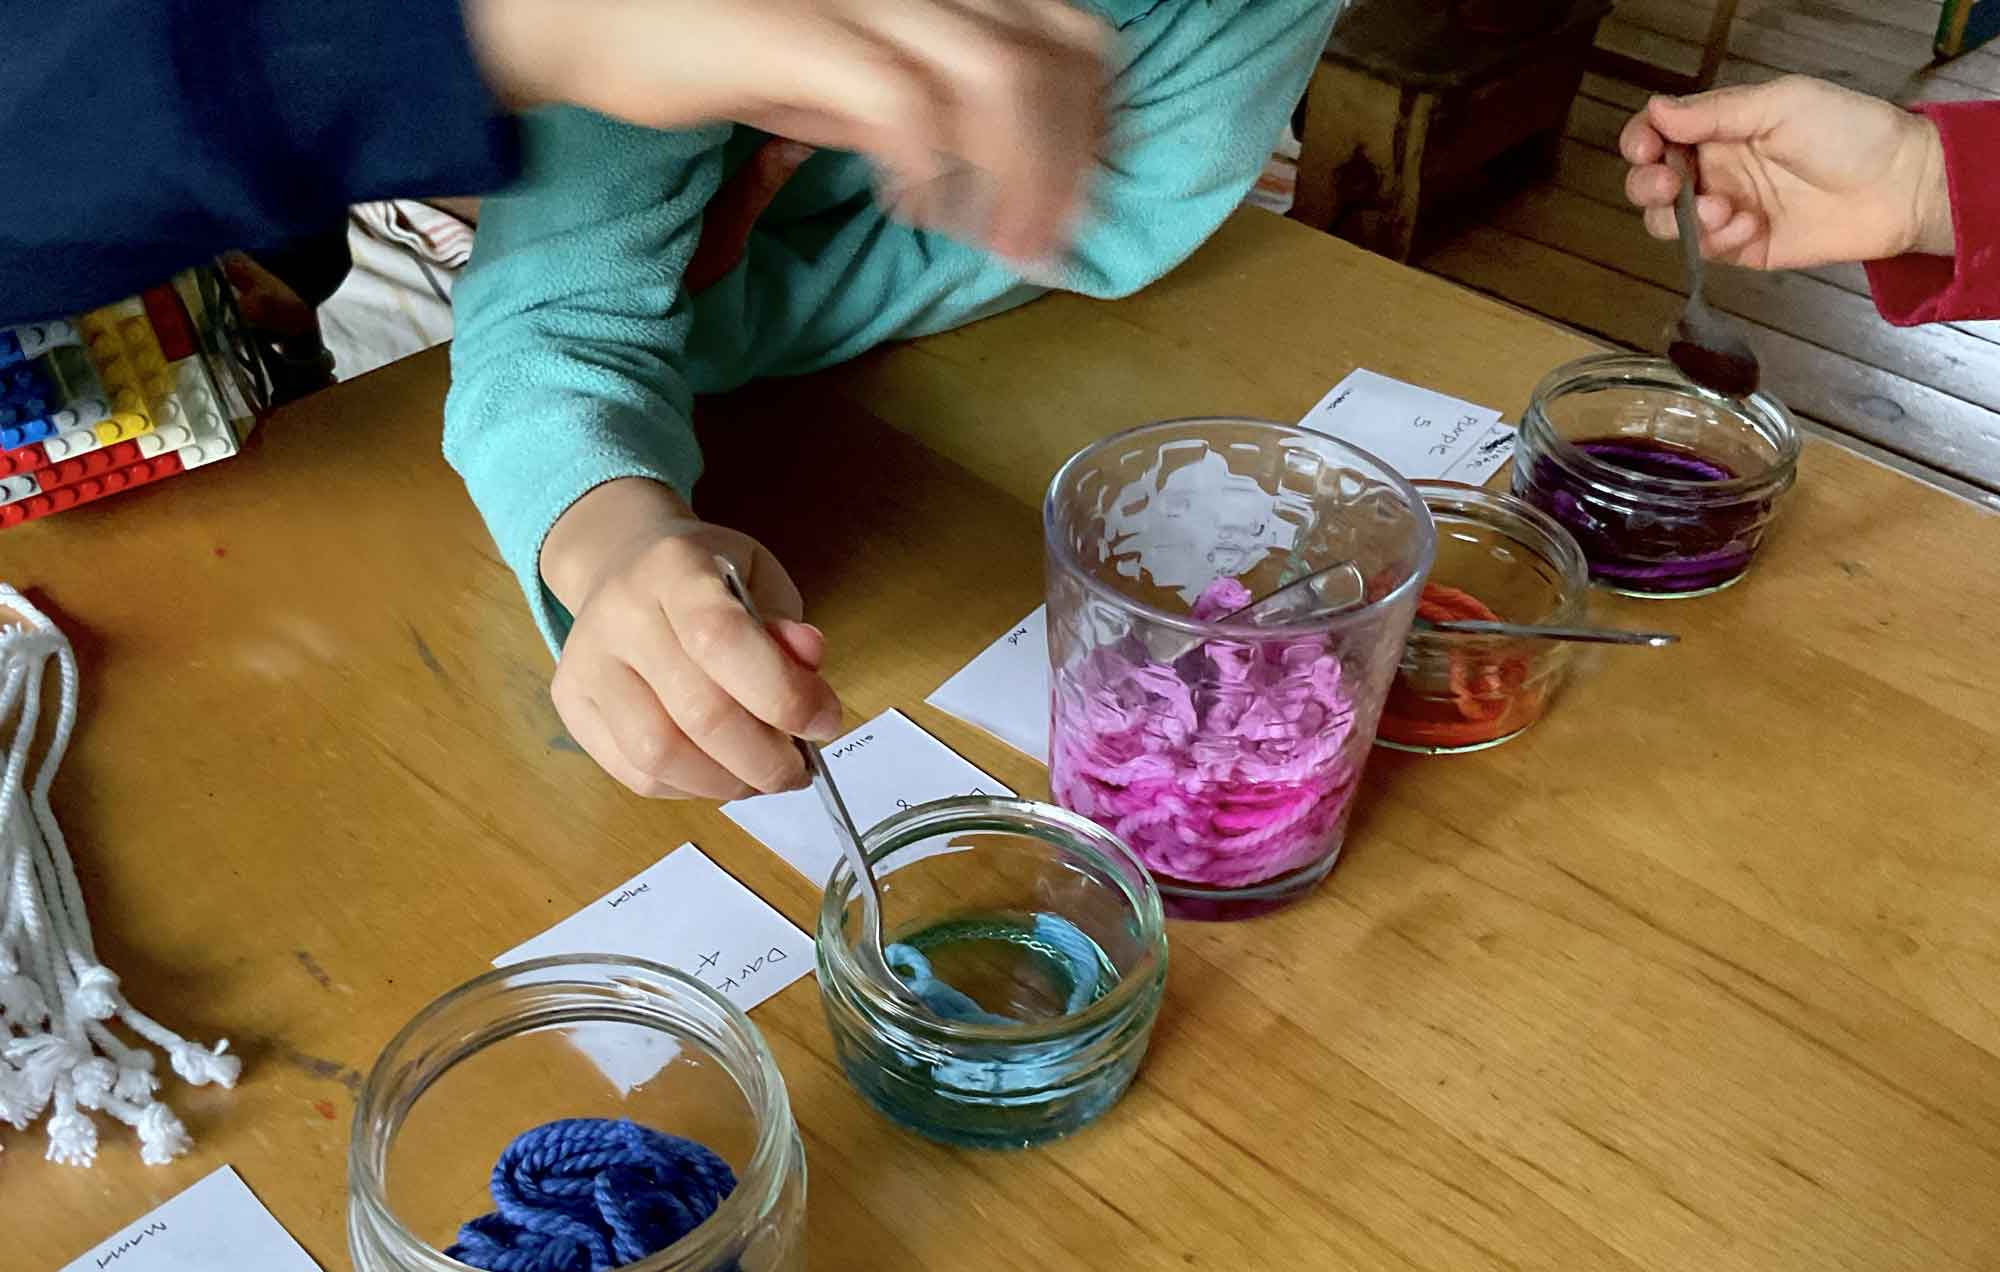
1009	968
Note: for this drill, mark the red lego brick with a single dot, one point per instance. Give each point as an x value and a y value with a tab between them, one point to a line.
88	488
95	463
170	323
23	459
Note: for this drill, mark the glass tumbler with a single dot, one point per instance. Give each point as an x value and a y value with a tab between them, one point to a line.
1498	559
1226	755
595	1036
1045	922
1667	486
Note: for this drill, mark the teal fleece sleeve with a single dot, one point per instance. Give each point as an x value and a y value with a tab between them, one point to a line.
571	325
577	354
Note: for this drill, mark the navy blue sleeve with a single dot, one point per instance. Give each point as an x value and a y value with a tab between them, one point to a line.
138	137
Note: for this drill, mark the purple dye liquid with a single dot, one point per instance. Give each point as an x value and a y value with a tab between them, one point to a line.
1647	545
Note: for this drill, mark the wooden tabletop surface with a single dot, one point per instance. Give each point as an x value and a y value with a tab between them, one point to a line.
1702	973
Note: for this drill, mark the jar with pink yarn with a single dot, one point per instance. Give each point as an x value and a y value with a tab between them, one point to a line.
1225	754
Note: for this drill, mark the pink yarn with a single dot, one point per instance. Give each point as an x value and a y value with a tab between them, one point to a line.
1229	768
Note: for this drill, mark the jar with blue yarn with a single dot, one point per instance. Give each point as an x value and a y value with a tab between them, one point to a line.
577	1114
1034	940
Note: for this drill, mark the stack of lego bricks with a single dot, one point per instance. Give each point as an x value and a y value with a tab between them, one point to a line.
119	397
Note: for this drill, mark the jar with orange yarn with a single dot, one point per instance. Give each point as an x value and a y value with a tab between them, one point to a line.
1498	559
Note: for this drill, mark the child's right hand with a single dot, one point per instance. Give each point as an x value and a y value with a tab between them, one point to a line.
665	680
1793	174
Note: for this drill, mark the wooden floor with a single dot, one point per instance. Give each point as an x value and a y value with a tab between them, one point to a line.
1570	248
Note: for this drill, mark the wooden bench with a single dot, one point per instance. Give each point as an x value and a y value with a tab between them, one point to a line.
1414	103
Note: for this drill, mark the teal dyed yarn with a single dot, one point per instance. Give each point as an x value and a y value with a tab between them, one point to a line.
1062	946
590	1195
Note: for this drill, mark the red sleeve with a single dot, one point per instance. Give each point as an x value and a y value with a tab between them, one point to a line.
1918	288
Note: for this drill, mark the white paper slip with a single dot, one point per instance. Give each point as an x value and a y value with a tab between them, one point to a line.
691	914
1419	432
217	1225
1005	690
882	767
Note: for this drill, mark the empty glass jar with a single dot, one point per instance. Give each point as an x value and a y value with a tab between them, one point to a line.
1667	487
588	1037
1226	755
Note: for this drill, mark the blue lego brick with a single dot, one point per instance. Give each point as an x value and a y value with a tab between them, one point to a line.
10	349
15	436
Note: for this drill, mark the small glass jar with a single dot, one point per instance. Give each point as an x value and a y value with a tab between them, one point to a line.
594	1036
1498	559
971	882
1667	487
1225	754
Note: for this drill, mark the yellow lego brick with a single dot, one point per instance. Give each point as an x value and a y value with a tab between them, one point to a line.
119	427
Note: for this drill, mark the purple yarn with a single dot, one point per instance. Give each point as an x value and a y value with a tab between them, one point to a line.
590	1195
1649	546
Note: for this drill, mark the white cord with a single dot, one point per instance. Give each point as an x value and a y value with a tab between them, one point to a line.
58	1054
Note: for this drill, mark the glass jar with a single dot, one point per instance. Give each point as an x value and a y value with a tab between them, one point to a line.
1667	486
595	1036
1498	559
1226	755
973	884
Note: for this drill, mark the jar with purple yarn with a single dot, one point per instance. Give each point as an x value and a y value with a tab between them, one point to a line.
1226	755
1667	487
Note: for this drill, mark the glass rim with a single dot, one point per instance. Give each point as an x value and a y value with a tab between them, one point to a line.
1246	632
1765	414
709	1238
1004	813
1561	551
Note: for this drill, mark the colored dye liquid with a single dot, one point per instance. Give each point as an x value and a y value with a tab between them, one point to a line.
995	1091
1645	542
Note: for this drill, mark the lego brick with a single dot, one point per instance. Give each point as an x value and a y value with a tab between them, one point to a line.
15	436
70	443
91	464
88	489
26	459
14	489
170	322
170	436
37	338
121	425
213	437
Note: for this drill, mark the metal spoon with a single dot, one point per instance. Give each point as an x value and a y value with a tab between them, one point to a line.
1327	590
1708	346
1586	635
870	892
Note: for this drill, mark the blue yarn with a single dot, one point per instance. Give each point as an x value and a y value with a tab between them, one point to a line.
1064	941
592	1194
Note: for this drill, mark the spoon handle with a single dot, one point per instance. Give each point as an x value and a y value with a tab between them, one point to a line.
1584	635
1681	160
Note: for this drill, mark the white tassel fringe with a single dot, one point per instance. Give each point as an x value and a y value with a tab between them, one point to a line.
57	1052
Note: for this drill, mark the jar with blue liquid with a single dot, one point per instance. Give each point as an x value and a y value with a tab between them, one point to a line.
1035	946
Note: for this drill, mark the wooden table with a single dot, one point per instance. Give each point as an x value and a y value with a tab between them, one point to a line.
1702	973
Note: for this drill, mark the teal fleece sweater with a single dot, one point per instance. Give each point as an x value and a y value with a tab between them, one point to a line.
578	354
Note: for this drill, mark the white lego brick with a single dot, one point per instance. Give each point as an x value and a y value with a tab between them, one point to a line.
164	438
69	444
203	415
37	338
18	487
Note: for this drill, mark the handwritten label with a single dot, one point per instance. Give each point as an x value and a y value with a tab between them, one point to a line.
215	1224
692	915
1005	690
1419	432
885	765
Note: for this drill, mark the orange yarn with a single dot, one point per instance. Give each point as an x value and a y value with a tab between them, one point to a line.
1487	696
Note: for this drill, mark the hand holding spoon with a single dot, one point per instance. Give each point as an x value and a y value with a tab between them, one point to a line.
1708	346
869	947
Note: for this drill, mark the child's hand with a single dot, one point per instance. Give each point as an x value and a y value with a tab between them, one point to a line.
1794	173
665	680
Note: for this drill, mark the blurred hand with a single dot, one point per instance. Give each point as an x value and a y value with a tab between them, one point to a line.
1012	89
1793	173
665	680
